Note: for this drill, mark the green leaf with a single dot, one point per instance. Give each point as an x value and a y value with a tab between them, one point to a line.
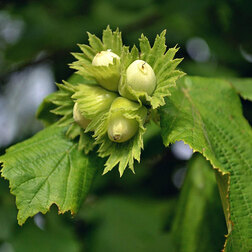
243	86
144	47
151	55
199	211
86	142
206	114
112	40
48	169
95	42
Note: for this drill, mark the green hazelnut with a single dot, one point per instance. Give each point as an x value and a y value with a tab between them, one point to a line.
120	128
141	77
123	103
93	100
104	58
110	79
79	118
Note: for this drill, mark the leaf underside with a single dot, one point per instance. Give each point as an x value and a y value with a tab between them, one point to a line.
199	211
48	169
206	114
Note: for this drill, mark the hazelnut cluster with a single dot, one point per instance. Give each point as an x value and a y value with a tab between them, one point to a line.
118	93
140	77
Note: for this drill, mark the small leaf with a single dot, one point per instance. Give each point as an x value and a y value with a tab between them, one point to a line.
95	43
48	169
86	142
73	131
157	50
112	40
88	52
198	211
145	47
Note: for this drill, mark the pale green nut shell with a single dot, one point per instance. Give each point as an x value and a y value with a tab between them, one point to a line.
79	118
120	128
123	103
104	58
111	80
141	77
93	100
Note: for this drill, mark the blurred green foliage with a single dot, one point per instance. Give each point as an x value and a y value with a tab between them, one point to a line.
51	30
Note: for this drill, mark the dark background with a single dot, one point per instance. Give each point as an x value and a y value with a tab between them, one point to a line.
36	38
